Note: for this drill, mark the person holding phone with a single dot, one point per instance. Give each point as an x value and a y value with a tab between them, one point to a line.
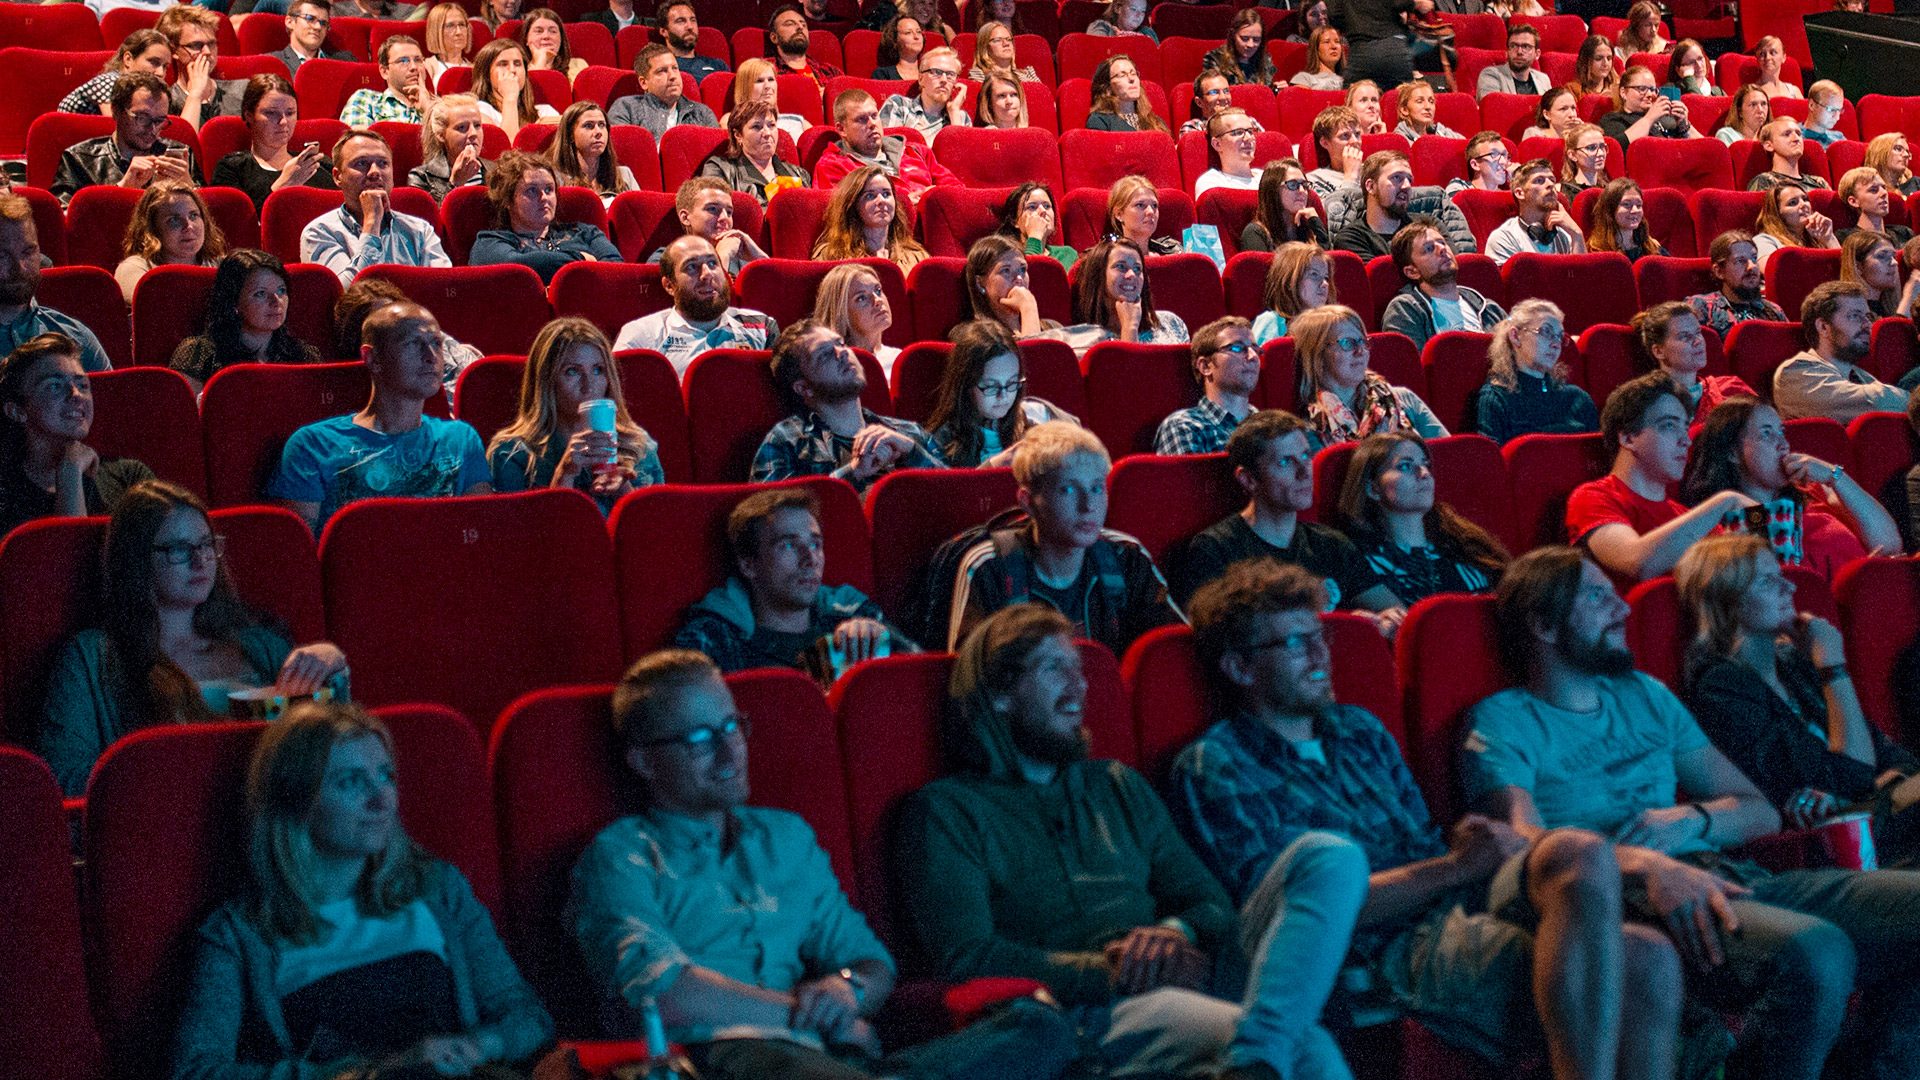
133	155
1641	111
271	161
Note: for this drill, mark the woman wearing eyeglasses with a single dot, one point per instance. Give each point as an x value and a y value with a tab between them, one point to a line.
1339	395
46	467
1641	112
1527	392
1232	134
1284	212
174	642
983	409
1584	164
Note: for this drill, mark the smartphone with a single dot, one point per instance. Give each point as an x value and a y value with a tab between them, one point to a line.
310	148
1671	93
177	153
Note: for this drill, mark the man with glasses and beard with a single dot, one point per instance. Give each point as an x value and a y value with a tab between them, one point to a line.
828	431
22	318
1825	378
1736	265
702	316
787	45
134	155
1584	741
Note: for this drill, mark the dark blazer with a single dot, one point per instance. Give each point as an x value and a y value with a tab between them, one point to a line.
293	60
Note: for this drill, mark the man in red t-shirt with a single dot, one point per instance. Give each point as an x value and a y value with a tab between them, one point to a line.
1626	519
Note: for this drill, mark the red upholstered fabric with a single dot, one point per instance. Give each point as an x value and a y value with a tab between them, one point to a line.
1447	661
1659	629
1131	388
1081	54
1896	349
169	304
609	295
1715	212
671	548
40	78
911	513
1508	114
643	222
149	414
991	157
1757	347
62	29
1485	210
1479	31
1456	364
1879	613
731	405
1542	470
487	395
46	1026
275	566
1163	501
1880	113
496	309
323	86
1667	218
1298	107
952	218
1821	437
49	222
1609	355
1245	281
785	290
395	568
1793	272
1591	288
1660	278
99	216
918	370
1229	210
1884	448
1095	159
1188	285
1083	215
312	291
795	220
52	133
90	294
288	211
49	572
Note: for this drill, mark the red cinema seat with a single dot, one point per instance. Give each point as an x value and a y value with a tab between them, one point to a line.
312	291
785	289
1896	349
686	146
1095	159
1822	437
397	569
56	27
1448	662
97	217
670	546
1793	272
609	295
234	212
643	222
1881	113
496	309
1162	501
1880	614
1542	470
165	820
1848	125
606	84
1757	347
40	78
49	572
247	411
90	294
1131	388
1230	211
1082	54
1659	629
1715	212
1436	159
1245	282
1456	364
991	157
911	513
1508	114
1083	215
323	86
1298	106
49	222
1479	31
1688	165
919	369
275	566
46	1024
1609	354
1660	278
149	414
731	405
466	212
796	218
1485	211
1187	285
169	304
938	295
953	218
1591	288
50	135
119	22
1884	448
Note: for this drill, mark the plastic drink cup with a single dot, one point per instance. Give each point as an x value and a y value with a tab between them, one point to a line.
599	414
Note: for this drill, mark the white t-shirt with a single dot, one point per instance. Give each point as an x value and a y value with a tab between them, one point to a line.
1214	178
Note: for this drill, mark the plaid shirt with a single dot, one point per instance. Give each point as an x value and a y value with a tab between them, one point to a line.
1245	793
1202	429
369	107
1715	310
906	110
806	446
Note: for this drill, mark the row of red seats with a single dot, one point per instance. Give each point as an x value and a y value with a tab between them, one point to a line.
162	816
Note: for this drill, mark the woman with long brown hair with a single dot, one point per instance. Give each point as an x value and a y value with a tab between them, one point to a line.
582	153
1418	545
863	221
170	226
983	407
1119	100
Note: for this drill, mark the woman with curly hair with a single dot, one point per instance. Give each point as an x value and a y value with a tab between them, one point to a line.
582	153
863	221
550	443
170	226
525	196
1527	392
982	408
1418	545
1620	222
902	41
246	320
1119	101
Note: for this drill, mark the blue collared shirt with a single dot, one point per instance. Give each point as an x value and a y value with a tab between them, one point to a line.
333	240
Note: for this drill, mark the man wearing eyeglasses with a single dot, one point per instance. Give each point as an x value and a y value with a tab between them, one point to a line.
662	102
1226	367
940	102
774	610
193	33
406	95
307	24
1489	165
1235	138
1517	75
134	155
728	917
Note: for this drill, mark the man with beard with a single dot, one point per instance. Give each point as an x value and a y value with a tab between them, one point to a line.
1433	299
1226	367
774	609
1540	223
1063	556
1826	379
729	918
828	431
1584	741
864	141
679	31
787	46
1628	520
1032	861
1387	180
366	230
702	316
1460	927
133	155
22	318
1736	264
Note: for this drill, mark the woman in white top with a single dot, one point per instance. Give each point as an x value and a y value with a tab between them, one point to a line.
1558	114
1772	55
506	94
1326	61
1363	98
1788	219
1419	112
449	40
170	226
852	301
759	79
1232	133
1750	112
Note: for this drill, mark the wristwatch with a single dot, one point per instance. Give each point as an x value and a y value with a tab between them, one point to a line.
1838	472
859	984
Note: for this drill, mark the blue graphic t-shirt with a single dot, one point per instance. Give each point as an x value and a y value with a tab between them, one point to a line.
337	461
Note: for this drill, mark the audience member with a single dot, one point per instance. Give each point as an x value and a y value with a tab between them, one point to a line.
1735	260
1231	133
759	80
552	442
995	55
525	195
176	641
903	41
1326	60
863	221
269	162
196	97
1690	71
1750	112
1593	70
582	153
1825	378
1642	32
246	320
46	467
864	143
1580	711
1620	222
449	40
1869	259
1640	112
1337	135
1123	17
704	205
495	13
1285	212
1826	103
1518	75
787	39
1432	299
853	302
1226	371
678	26
1782	138
141	50
307	25
828	431
1627	520
1888	153
22	317
1300	278
1243	56
1770	688
1133	213
983	409
751	161
1387	180
1119	100
1871	200
661	102
1557	114
782	986
170	226
1670	335
1585	160
1418	545
702	316
451	142
1271	455
1418	108
407	94
1541	224
380	952
996	283
399	10
1342	398
1002	104
1113	301
1363	98
1029	218
366	230
390	448
940	101
505	92
1527	392
544	36
1489	165
367	295
134	154
1772	56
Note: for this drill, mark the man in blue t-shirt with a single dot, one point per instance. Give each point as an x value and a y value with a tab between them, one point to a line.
389	448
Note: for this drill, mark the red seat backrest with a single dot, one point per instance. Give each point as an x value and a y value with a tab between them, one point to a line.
1162	501
953	218
1448	661
149	414
1793	272
1095	159
1509	114
288	211
1659	630
1542	470
1485	210
607	294
169	303
1757	347
1245	281
1081	54
1436	159
90	294
1715	212
43	26
731	405
1879	614
323	86
1131	388
1660	278
49	573
670	547
993	157
496	309
98	218
40	78
1884	448
46	1023
1596	287
1456	364
275	567
912	512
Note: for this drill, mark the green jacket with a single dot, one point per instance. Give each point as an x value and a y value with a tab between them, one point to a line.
1004	877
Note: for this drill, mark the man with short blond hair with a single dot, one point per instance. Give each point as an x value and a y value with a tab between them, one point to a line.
1785	141
193	33
1866	193
864	141
941	100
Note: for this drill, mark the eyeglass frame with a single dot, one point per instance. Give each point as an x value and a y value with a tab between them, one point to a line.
181	553
703	738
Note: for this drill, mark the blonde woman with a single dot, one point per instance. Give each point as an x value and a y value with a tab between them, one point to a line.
863	221
551	443
1527	392
852	301
1584	163
1299	279
1363	98
450	141
504	91
1133	213
449	40
1419	109
1889	155
1339	396
170	226
995	55
759	80
1642	32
